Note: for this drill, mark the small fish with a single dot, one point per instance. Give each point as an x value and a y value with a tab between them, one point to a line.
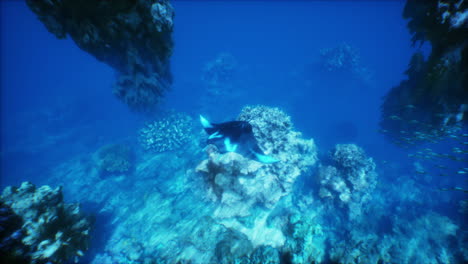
454	189
395	117
420	172
410	106
456	150
441	166
462	172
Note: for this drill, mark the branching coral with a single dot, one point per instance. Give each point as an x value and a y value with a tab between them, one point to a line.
53	230
115	158
167	133
350	179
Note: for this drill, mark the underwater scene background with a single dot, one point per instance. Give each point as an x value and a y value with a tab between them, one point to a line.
355	149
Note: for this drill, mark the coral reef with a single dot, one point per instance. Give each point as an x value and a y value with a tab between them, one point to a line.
219	72
222	88
246	188
115	159
349	180
11	248
167	133
422	240
240	220
53	230
133	37
344	58
433	100
307	241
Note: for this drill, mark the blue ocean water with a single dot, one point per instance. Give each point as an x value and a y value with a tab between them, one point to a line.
58	112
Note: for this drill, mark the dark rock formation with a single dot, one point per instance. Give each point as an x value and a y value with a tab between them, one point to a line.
52	231
132	36
434	98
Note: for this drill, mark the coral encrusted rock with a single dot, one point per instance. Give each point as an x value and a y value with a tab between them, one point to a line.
52	230
132	36
350	178
245	188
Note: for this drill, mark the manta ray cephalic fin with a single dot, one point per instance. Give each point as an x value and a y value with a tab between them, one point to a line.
205	123
215	135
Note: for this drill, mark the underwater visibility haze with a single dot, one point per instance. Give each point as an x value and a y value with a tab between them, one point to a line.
247	132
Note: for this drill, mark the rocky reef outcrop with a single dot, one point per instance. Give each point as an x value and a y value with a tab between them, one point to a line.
11	248
133	37
433	100
51	229
349	179
245	190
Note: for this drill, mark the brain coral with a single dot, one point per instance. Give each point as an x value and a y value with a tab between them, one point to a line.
53	230
167	133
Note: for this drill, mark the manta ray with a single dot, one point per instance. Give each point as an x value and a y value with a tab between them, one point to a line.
235	136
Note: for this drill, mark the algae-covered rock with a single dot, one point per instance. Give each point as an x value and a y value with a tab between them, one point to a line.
52	230
133	37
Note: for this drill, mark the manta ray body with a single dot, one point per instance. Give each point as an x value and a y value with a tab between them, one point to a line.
235	136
